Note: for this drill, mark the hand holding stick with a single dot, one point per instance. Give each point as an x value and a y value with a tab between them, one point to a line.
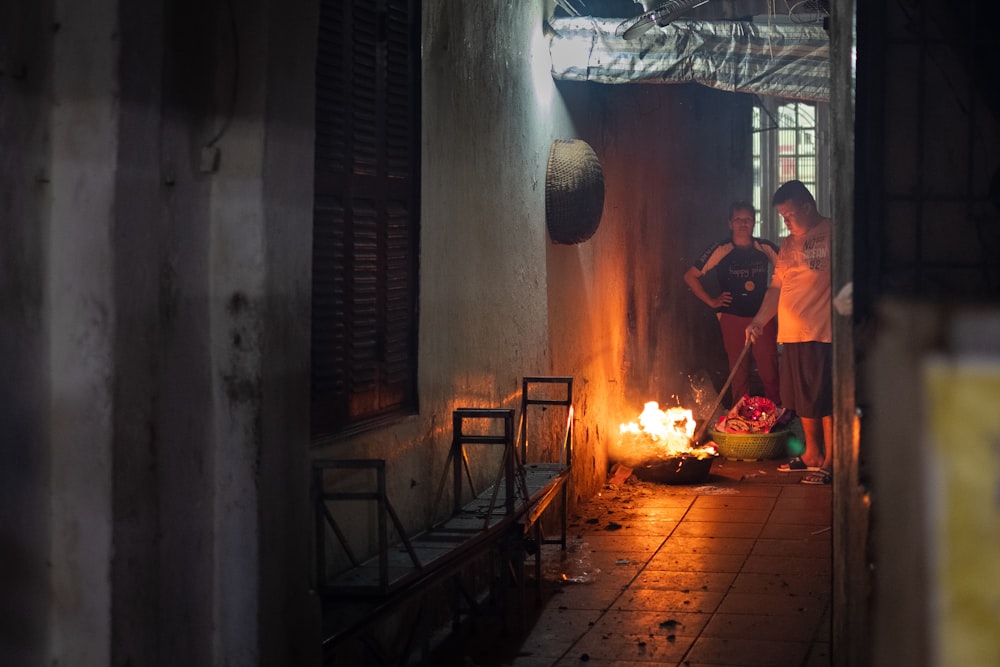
722	392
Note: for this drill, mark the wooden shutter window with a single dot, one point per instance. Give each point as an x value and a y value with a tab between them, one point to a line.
365	214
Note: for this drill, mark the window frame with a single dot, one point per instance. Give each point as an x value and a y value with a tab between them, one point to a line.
363	365
767	154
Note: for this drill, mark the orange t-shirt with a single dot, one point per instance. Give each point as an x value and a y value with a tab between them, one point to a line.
803	274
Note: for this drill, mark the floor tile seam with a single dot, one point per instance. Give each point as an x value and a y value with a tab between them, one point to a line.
814	537
744	559
627	586
808	516
708	540
740	570
645	565
771	614
729	589
786	548
663	544
754	520
815	529
818	629
819	597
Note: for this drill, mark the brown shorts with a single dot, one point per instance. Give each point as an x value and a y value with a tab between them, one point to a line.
807	379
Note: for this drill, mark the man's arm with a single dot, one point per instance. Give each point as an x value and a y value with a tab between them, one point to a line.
768	309
693	279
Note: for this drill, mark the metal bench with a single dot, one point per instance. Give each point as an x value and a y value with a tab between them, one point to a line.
503	519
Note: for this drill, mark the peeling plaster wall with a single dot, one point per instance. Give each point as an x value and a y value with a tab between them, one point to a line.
82	315
155	326
674	157
498	299
158	312
489	289
25	80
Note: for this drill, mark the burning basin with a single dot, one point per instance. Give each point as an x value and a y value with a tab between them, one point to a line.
685	469
659	448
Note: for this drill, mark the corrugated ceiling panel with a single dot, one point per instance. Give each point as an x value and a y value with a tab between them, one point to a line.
779	59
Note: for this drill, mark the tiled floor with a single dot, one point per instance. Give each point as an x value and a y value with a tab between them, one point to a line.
732	571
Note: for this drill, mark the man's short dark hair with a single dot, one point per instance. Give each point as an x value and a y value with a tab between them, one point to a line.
741	206
794	191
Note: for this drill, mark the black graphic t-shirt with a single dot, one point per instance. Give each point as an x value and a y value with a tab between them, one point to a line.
743	271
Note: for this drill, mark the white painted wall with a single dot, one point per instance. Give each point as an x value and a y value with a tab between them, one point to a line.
81	313
156	316
155	345
491	280
498	299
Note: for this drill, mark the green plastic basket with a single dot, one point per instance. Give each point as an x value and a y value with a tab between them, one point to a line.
751	446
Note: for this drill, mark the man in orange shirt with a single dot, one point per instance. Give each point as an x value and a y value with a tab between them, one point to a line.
800	296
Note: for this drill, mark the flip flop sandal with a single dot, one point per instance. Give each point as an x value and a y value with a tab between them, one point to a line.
797	465
819	477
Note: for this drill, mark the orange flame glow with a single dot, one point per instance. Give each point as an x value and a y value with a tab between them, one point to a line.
658	434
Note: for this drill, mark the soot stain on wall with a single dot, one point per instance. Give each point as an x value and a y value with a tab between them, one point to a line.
242	379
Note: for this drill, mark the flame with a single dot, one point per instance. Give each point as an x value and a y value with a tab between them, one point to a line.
673	427
658	434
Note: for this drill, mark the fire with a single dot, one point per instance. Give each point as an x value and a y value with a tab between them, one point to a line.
659	434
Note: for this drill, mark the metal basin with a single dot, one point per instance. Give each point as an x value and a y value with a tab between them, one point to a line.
684	469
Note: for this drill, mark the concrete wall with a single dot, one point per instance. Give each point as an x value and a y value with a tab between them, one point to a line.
155	346
488	293
675	157
156	330
498	299
25	79
927	210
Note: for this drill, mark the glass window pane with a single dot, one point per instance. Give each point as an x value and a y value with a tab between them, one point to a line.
786	142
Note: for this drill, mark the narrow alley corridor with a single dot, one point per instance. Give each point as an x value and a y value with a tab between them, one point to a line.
733	571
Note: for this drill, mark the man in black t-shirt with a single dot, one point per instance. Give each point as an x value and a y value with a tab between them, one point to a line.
742	264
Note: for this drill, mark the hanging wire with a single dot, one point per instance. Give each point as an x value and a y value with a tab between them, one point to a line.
568	7
807	11
236	77
774	120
